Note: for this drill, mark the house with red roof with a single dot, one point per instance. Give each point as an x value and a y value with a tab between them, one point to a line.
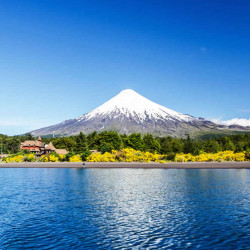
40	148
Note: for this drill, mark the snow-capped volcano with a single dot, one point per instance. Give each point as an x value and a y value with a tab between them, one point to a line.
130	104
129	112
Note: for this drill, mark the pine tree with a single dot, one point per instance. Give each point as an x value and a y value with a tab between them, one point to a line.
150	144
135	141
188	145
81	144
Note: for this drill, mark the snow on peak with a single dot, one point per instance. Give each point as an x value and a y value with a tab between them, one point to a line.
128	92
131	104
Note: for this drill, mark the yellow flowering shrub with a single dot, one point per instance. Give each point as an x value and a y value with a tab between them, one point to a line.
75	158
220	156
96	157
126	155
44	158
179	158
50	158
184	157
30	157
162	161
17	158
61	157
201	157
239	157
53	158
106	157
129	155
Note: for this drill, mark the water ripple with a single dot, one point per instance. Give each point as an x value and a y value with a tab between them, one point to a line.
124	209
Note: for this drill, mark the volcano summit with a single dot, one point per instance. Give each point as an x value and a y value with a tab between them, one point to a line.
129	112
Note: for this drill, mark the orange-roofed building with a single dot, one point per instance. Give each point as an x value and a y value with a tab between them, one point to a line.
40	148
36	146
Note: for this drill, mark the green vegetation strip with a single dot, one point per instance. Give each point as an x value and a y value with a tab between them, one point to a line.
112	147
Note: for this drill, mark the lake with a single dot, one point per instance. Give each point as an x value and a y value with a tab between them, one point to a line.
124	208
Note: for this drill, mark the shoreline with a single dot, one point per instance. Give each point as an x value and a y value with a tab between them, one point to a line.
171	165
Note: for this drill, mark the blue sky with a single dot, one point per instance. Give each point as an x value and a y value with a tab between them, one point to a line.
62	58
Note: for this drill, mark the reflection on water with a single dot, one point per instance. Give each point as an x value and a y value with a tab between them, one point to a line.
124	208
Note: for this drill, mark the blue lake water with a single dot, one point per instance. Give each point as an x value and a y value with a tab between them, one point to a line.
124	208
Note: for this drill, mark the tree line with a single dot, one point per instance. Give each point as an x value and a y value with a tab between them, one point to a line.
109	140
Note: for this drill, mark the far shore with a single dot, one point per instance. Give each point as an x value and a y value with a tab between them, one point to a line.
170	165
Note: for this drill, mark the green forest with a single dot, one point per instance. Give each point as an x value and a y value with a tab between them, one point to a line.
109	140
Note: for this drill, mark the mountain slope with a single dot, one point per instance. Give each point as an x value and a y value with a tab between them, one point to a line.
130	112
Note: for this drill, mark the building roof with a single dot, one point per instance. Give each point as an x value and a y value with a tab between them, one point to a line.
33	143
61	151
50	147
39	138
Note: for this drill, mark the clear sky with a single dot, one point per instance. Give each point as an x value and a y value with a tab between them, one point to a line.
62	58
